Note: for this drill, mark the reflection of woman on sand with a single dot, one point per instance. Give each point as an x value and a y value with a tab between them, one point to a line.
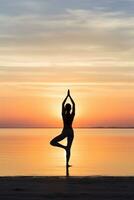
67	131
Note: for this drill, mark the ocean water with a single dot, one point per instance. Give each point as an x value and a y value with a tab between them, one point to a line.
94	152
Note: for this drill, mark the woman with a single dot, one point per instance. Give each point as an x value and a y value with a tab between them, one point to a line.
67	132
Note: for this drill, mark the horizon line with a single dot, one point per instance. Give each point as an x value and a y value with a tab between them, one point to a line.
103	127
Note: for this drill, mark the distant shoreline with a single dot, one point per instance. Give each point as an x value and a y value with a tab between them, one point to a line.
73	127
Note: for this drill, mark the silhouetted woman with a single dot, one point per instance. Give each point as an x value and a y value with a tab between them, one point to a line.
68	114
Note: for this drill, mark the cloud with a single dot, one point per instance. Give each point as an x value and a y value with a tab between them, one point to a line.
66	74
95	45
101	28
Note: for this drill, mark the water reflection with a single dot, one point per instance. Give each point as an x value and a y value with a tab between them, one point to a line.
94	152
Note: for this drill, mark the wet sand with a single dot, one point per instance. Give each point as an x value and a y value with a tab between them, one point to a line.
60	188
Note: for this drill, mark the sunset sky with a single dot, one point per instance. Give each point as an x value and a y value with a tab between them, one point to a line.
48	46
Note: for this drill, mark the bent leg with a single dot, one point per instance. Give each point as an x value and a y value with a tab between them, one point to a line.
57	139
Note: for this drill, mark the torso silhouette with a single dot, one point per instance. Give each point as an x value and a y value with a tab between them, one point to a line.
68	120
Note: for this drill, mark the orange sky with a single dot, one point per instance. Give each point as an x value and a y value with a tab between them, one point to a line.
46	49
95	106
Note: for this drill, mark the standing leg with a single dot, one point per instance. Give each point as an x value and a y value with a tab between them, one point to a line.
68	148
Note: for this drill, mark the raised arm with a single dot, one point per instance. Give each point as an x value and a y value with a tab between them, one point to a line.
73	109
63	104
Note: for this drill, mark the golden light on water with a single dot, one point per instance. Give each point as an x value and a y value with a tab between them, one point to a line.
94	152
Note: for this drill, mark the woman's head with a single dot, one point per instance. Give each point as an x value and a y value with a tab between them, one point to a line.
68	107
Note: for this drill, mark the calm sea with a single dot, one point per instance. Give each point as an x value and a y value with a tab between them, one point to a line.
94	152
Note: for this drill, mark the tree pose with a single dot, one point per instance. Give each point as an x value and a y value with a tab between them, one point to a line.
68	113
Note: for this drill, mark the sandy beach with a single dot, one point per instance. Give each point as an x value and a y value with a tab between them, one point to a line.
40	188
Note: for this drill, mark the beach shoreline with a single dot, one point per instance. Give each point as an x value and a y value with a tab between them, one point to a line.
61	187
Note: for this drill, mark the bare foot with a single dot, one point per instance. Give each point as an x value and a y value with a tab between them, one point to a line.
69	165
